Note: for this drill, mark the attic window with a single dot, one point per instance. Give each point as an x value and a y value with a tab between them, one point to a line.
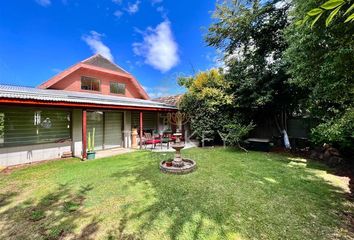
117	88
90	83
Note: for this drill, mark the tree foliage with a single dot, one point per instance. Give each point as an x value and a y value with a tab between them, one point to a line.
206	101
251	37
237	132
321	64
333	8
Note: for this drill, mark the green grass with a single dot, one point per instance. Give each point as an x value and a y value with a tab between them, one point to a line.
232	195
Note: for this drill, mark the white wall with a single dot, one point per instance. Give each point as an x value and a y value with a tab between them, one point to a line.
33	153
127	129
27	154
77	132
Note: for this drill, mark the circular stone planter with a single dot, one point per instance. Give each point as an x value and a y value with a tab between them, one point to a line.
188	166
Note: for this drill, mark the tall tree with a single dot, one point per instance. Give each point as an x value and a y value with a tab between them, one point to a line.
251	36
207	101
321	61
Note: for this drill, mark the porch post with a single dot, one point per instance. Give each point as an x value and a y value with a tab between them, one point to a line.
141	130
84	134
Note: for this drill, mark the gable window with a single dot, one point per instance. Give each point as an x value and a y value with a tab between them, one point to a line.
117	88
90	83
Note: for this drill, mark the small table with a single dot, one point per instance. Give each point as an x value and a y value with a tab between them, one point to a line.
165	140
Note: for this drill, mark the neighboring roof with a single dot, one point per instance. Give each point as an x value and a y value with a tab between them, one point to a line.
96	59
170	100
52	95
99	61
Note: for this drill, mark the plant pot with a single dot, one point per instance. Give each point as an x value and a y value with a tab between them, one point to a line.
168	164
91	155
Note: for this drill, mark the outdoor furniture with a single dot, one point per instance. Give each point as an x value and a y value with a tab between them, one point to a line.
149	139
166	138
258	144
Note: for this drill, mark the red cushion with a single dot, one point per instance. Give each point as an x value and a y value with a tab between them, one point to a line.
152	141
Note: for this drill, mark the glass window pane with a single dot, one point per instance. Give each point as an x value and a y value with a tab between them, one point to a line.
89	83
95	85
85	83
121	88
26	126
118	88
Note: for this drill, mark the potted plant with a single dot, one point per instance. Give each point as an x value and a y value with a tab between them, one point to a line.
91	154
169	163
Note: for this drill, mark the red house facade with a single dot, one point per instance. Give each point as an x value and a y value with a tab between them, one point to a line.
55	118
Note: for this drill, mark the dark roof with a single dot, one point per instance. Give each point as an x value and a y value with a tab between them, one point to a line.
53	95
169	100
100	61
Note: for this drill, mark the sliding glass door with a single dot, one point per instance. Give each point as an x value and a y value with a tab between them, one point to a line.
108	129
95	124
113	123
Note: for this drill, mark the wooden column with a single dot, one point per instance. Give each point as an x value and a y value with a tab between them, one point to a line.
84	134
141	130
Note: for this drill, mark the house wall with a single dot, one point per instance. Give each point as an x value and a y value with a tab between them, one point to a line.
77	132
32	153
163	123
10	156
127	142
73	83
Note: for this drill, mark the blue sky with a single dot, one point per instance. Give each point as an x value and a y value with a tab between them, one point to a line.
155	40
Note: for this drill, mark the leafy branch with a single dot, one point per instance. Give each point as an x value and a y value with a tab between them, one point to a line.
332	7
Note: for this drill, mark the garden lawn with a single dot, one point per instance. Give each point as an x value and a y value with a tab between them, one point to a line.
232	195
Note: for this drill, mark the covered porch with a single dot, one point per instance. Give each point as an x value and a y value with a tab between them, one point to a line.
114	130
38	125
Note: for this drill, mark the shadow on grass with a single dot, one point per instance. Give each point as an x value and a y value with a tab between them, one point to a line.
6	198
341	171
191	201
54	216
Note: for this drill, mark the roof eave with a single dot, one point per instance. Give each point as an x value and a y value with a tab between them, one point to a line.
35	102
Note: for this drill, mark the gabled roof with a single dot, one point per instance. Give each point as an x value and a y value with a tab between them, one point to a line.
99	61
55	97
96	63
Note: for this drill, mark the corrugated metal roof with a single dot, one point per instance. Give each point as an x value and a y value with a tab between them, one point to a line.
18	92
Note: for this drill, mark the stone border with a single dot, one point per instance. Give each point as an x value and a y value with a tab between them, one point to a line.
175	170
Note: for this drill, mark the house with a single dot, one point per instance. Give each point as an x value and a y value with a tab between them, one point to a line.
170	100
56	118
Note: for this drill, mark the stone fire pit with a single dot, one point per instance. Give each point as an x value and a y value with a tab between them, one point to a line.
178	165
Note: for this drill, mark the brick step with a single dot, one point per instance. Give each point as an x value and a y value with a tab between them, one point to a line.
67	155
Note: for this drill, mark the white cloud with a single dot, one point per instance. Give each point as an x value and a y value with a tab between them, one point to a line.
133	7
118	13
162	11
94	41
44	3
157	91
57	70
216	59
117	1
156	1
158	47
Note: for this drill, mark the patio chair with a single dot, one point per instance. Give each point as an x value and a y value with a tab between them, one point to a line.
149	139
166	138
